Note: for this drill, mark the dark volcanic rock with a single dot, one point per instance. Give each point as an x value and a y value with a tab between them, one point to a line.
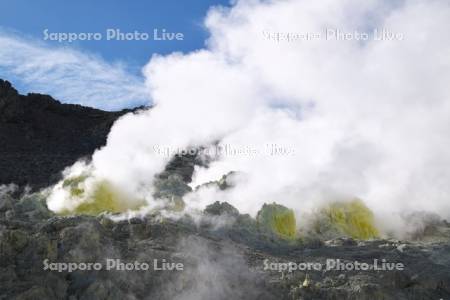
231	262
220	208
182	165
39	136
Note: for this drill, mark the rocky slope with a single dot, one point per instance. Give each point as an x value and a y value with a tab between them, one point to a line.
231	261
39	136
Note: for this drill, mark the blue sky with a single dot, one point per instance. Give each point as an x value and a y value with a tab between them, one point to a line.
25	21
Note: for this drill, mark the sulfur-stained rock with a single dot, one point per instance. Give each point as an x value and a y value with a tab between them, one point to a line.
346	218
277	219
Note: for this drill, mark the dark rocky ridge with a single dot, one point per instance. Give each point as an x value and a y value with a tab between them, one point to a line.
39	136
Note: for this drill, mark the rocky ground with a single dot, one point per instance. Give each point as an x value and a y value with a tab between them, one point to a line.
231	261
224	254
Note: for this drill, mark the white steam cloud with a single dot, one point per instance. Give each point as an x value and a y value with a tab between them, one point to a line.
367	119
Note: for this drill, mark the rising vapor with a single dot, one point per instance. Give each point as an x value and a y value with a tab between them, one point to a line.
366	119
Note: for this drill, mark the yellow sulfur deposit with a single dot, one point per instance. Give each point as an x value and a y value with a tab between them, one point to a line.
353	218
277	219
103	198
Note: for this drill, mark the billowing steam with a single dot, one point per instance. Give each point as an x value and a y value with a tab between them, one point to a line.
349	118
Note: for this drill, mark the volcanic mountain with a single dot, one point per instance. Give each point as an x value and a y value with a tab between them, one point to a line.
224	254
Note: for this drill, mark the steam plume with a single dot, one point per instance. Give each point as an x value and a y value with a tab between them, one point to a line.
367	119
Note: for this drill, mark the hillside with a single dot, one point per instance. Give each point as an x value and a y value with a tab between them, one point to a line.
39	136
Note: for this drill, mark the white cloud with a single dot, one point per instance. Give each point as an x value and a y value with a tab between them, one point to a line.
70	75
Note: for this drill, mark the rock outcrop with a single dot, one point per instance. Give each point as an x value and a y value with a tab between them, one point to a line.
39	136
